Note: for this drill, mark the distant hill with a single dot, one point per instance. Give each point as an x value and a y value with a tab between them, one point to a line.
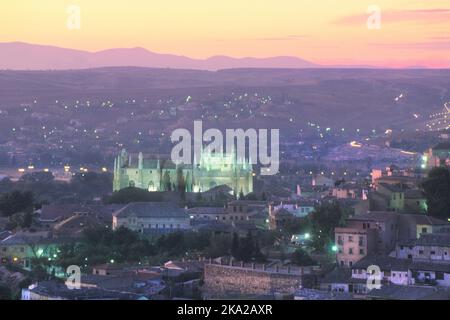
24	56
365	99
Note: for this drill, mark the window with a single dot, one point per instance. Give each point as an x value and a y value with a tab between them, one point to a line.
340	240
432	252
420	251
439	276
350	251
350	263
424	230
350	238
361	240
364	226
361	251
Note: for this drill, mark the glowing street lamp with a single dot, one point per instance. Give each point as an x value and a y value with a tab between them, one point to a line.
334	248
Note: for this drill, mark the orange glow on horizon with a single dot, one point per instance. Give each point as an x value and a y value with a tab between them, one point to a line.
329	32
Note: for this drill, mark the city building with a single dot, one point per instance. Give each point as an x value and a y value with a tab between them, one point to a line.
437	156
353	244
152	217
22	248
164	175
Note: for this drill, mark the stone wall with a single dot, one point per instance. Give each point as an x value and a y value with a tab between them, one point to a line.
227	280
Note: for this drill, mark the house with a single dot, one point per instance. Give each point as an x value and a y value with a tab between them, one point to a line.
297	208
346	191
433	247
152	217
338	281
437	156
392	270
279	219
54	213
22	248
218	213
399	198
74	226
353	244
385	226
320	180
431	273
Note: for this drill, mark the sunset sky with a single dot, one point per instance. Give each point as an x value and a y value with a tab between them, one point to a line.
413	32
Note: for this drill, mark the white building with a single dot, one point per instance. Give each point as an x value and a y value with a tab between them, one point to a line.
152	217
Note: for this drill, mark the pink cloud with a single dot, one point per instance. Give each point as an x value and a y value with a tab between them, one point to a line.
428	45
391	16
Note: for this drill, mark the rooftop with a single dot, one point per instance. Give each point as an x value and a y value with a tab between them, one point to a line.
442	146
384	262
151	210
396	292
434	239
377	216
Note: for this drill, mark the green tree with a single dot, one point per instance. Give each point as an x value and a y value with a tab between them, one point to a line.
5	292
322	222
132	194
37	177
437	192
181	184
235	245
15	201
300	257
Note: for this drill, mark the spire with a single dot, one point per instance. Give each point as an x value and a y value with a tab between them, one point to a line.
140	161
119	162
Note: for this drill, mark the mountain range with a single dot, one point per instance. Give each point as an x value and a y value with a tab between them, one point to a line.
25	56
